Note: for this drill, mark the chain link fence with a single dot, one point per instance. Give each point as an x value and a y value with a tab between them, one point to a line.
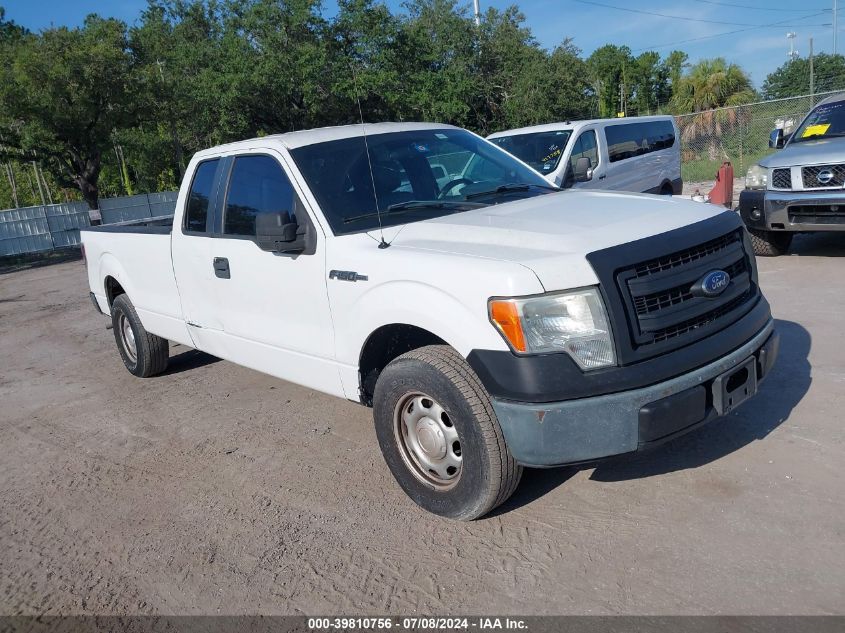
54	226
739	134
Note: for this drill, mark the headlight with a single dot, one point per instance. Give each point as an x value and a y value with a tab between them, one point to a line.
573	322
757	177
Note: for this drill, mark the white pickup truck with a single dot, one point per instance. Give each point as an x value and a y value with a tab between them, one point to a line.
490	320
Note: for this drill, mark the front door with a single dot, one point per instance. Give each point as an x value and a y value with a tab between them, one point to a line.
585	146
274	307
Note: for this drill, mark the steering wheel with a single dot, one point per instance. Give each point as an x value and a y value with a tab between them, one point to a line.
451	185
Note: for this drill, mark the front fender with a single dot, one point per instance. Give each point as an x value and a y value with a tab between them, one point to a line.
419	304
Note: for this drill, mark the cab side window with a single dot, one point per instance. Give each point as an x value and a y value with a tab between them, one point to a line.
585	146
199	198
257	185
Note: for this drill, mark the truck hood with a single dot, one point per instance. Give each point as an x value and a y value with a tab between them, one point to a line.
826	150
551	234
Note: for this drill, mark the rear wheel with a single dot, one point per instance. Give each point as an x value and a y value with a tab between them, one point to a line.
770	243
439	434
144	354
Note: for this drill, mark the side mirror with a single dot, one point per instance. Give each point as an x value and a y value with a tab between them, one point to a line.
276	233
583	170
777	139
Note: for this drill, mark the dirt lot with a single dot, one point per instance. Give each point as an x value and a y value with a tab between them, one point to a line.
215	489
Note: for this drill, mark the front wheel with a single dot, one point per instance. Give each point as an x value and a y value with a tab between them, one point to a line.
770	243
439	435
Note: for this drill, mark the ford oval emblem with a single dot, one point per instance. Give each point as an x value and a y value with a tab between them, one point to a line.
712	284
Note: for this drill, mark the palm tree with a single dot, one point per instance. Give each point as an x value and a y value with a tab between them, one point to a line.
708	89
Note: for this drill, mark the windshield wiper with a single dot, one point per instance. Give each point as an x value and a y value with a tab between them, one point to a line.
413	205
509	189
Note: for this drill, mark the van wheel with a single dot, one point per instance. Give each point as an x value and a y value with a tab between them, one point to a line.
666	190
770	243
439	434
144	354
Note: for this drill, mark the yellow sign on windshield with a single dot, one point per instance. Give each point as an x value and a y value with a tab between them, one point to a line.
815	130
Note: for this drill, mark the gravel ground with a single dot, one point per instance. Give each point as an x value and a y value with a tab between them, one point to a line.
214	489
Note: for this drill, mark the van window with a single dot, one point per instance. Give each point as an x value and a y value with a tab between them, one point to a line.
628	140
196	211
585	147
541	150
257	185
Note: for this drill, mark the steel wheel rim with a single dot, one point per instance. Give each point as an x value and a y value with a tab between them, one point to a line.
428	440
127	338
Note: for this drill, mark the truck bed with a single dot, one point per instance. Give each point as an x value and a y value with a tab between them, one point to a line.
136	256
161	225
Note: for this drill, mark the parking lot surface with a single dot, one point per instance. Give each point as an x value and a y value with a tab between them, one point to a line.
216	490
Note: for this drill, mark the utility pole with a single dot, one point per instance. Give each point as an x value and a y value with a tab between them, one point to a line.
835	25
477	5
812	75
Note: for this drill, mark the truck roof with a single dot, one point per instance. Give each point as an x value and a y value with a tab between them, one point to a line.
833	98
300	138
569	125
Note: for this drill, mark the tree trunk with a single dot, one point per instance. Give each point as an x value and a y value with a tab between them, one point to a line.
90	192
86	173
12	184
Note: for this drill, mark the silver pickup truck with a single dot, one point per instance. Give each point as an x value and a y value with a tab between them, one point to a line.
802	187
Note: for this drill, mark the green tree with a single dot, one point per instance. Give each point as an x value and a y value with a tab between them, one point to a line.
436	50
62	95
710	85
649	79
364	65
793	78
607	68
675	64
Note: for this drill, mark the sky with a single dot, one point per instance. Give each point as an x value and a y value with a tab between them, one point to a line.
751	33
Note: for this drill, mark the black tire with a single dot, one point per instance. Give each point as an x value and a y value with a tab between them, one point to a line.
770	243
488	473
667	190
151	352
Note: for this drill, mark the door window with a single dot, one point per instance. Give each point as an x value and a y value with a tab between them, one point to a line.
627	140
196	211
258	184
585	147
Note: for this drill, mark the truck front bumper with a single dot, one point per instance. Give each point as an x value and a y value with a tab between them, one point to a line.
793	210
587	429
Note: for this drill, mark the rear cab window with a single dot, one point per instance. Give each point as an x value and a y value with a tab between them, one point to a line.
199	198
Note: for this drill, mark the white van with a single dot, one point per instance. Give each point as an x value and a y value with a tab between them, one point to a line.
639	154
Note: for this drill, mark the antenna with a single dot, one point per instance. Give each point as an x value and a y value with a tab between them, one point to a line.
382	244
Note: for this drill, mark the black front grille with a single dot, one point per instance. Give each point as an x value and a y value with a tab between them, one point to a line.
831	176
684	257
781	179
674	296
658	293
700	321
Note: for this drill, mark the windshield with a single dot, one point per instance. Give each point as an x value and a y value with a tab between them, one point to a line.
541	150
825	121
415	175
